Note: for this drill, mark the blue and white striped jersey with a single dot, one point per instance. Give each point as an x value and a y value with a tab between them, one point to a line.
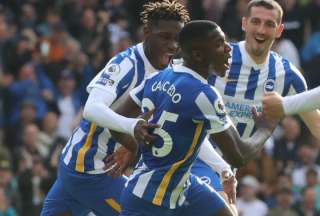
90	144
247	82
188	109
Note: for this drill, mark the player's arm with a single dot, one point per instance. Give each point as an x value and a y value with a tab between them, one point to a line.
276	106
238	151
211	157
311	118
97	110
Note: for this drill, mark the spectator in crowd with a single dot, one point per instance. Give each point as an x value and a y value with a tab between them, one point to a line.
5	207
307	156
8	183
248	204
294	20
39	40
307	206
69	104
312	180
284	203
285	150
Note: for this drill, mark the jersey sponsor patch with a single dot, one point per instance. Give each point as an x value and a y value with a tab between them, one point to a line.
113	69
269	85
105	79
219	107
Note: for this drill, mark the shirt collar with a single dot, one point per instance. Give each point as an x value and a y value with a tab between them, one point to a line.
247	60
147	65
183	69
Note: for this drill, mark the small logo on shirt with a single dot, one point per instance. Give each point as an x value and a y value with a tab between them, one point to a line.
269	85
112	69
205	179
105	80
218	105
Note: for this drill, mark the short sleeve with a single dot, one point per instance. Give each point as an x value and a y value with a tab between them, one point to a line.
115	77
294	81
212	111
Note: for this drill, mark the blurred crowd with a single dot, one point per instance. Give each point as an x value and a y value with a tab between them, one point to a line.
49	52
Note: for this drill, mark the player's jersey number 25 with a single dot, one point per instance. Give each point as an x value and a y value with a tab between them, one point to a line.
165	116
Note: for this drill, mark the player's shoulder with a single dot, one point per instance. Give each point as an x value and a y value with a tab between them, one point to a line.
124	59
284	64
292	73
209	92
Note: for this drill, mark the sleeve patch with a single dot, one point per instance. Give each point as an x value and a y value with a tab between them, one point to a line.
219	107
109	74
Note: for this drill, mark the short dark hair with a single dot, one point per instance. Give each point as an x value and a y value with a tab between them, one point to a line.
195	32
269	4
164	10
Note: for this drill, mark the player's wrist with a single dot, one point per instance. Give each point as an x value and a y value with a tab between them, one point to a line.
134	124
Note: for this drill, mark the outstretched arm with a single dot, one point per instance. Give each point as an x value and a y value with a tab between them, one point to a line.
276	106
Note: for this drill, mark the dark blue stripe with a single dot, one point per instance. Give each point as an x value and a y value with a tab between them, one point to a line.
291	79
85	126
70	144
111	145
234	73
125	81
252	84
272	67
253	130
212	79
89	156
141	71
241	128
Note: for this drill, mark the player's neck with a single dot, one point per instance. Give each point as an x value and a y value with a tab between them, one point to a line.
257	59
199	69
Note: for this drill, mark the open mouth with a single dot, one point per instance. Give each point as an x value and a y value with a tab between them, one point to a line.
260	40
166	58
227	62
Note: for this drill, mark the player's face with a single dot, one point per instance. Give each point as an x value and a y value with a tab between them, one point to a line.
261	29
161	41
218	51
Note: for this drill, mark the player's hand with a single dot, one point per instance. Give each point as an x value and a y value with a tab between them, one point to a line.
142	130
230	183
117	163
262	122
272	106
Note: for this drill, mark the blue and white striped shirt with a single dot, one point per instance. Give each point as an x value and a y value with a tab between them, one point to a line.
188	109
247	82
90	144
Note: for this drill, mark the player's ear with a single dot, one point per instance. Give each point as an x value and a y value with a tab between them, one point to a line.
280	30
244	22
